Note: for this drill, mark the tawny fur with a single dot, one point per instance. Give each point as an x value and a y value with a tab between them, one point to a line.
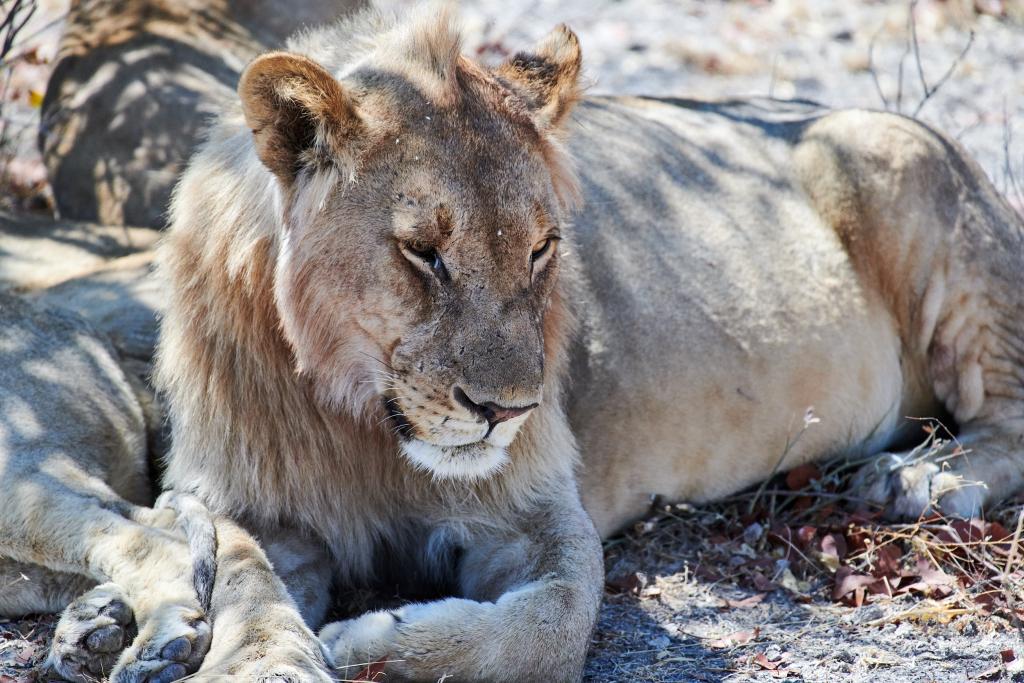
732	266
74	499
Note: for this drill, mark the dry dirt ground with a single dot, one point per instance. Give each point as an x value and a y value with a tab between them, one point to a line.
785	582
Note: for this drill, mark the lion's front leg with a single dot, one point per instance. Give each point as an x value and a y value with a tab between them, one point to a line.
530	601
258	628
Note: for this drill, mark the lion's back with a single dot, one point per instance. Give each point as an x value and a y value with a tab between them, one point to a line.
717	304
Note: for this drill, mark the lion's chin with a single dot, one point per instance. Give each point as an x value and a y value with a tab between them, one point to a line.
472	461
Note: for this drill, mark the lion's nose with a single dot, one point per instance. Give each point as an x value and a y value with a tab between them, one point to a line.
491	412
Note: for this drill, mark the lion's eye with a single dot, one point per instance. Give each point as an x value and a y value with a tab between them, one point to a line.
542	248
425	256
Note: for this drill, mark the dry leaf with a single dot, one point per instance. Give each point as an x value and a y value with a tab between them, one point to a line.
373	672
734	639
755	599
632	583
802	475
887	561
849	586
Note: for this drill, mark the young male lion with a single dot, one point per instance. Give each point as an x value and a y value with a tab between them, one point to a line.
392	340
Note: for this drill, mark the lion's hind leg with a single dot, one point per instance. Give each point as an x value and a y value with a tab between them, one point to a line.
73	460
148	572
953	476
31	589
933	242
74	526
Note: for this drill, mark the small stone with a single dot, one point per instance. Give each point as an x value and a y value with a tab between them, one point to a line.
660	642
752	534
869	613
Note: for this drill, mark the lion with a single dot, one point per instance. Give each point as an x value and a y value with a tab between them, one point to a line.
75	527
392	347
78	535
439	328
131	86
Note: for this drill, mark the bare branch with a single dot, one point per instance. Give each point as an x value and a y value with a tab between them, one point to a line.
925	88
874	74
13	22
1010	180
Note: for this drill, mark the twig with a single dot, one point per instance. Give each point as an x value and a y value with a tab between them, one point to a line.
903	57
874	74
809	419
7	60
931	90
1010	560
12	24
802	494
1012	185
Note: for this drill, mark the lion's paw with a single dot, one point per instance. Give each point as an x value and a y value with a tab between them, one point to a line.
91	633
284	669
278	654
908	487
354	644
171	644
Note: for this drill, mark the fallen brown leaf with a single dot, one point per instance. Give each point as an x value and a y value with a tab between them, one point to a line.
734	639
766	663
632	583
802	475
887	561
850	586
373	672
755	599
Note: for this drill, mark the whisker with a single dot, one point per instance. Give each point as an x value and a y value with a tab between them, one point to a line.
382	362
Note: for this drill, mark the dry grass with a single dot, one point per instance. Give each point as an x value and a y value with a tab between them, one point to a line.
804	538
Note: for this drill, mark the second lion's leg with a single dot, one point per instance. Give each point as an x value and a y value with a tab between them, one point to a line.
69	522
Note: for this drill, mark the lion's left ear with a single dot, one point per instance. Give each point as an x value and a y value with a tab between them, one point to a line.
300	115
549	75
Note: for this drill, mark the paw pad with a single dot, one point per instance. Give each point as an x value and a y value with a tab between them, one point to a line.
91	633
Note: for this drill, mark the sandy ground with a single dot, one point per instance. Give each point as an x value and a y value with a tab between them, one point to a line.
667	617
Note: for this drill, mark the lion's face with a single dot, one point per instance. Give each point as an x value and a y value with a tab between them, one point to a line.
418	282
441	257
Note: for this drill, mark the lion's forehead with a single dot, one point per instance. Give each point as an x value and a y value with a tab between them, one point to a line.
467	211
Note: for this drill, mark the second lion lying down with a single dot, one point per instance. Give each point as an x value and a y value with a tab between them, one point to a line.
440	327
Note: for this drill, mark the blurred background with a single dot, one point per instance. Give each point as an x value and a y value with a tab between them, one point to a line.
838	52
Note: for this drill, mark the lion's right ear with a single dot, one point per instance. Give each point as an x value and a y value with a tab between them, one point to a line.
298	112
